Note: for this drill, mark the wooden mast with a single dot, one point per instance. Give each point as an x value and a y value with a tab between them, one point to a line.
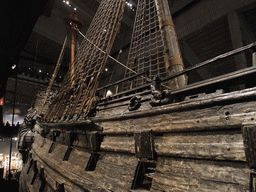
74	23
174	62
73	39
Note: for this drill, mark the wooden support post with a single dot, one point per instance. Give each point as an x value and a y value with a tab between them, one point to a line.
249	133
248	35
254	56
237	39
144	145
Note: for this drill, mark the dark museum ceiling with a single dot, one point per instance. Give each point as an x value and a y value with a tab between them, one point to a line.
45	42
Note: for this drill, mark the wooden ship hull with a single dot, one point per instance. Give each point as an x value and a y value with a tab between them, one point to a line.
194	148
199	137
200	144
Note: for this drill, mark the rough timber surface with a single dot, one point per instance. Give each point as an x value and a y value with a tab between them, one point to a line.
219	145
174	174
198	146
121	112
115	171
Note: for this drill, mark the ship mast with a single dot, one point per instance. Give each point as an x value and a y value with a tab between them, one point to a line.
74	23
174	62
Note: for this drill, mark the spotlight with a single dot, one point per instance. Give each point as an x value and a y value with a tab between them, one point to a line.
14	66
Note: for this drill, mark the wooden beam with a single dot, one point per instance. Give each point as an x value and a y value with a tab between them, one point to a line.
236	38
192	58
247	33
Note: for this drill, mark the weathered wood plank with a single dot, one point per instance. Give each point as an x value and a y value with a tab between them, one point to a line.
165	124
118	144
37	184
222	145
58	152
38	140
41	143
79	158
249	135
57	171
116	171
216	117
174	174
77	161
82	141
48	188
63	138
233	97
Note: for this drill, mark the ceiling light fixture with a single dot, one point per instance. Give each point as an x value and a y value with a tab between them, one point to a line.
14	66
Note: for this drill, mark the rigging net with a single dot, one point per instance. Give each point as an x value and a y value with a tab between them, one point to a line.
76	97
150	51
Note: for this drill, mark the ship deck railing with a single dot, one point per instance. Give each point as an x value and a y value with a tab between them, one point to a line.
145	89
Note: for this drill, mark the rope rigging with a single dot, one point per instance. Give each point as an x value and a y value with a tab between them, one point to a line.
53	75
150	50
105	52
76	96
148	79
